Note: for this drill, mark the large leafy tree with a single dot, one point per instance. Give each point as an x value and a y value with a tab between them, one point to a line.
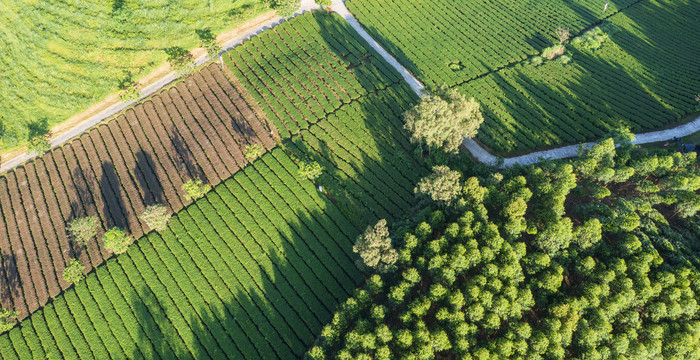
528	264
443	119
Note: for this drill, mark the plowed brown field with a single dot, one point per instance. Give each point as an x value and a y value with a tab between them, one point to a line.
196	129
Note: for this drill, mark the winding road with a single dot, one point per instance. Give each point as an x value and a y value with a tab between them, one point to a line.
338	6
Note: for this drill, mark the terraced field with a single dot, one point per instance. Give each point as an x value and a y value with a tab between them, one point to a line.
645	76
256	267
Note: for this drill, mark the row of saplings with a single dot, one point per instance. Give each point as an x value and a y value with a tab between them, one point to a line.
590	258
116	240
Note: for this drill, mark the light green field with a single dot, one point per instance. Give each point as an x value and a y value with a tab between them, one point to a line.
60	57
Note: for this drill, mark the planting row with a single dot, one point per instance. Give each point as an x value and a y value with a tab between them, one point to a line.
253	270
637	78
454	41
301	70
197	129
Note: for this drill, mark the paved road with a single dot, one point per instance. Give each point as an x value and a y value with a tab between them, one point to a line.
306	5
479	152
339	7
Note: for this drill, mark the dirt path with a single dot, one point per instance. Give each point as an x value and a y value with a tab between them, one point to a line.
151	83
474	148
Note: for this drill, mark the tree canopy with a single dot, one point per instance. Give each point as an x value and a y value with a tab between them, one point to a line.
443	119
530	264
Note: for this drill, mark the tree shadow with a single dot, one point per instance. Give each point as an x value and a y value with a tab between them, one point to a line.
112	198
187	161
144	162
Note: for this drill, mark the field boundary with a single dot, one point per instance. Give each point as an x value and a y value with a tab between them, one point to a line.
476	150
306	6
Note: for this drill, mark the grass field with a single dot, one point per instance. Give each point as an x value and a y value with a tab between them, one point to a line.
256	267
60	57
645	76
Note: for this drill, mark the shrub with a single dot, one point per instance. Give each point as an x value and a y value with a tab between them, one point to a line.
286	8
73	273
128	88
180	61
325	2
83	229
374	247
208	41
310	170
7	319
536	60
39	144
117	241
552	52
156	217
253	151
194	189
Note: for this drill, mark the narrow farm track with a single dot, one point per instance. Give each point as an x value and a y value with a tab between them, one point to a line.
472	146
195	129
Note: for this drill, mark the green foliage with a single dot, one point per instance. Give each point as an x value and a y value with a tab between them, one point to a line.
253	151
287	8
208	41
73	273
82	230
325	2
592	277
7	319
310	170
39	145
156	216
195	189
443	119
128	88
552	52
116	240
592	39
180	60
375	249
442	185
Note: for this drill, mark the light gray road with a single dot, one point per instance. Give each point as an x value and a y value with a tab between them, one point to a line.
479	152
306	5
339	6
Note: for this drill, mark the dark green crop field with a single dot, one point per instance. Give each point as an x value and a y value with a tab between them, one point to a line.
644	74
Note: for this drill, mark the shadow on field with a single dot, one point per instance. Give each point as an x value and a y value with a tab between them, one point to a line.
187	162
554	104
152	189
251	288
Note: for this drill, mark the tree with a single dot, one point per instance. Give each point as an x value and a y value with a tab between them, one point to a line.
116	240
39	144
128	88
443	119
208	42
310	170
194	189
563	34
83	229
287	8
328	3
156	217
180	60
442	185
374	247
253	151
73	273
7	319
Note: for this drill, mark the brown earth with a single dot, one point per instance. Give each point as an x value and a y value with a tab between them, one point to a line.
196	129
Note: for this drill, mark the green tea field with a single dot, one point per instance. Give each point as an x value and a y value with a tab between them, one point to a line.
644	75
